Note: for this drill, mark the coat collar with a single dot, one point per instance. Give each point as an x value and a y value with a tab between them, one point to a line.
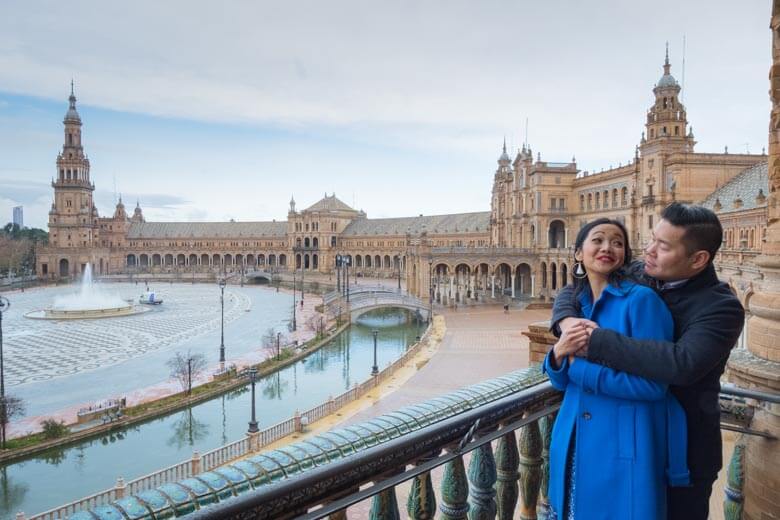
619	290
704	279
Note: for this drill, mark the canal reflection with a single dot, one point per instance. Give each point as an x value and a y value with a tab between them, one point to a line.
63	475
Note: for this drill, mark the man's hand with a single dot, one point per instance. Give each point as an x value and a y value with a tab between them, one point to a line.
567	323
572	340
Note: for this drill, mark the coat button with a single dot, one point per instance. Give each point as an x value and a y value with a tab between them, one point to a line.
586	416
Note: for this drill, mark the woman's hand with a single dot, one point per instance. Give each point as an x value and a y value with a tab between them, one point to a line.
573	339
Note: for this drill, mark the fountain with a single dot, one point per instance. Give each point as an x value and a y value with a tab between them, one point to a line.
90	302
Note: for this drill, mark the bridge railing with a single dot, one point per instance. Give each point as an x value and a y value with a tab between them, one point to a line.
355	290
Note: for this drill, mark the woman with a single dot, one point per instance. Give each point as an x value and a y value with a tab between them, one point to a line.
618	439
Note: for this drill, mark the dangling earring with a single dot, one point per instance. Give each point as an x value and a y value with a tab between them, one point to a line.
579	270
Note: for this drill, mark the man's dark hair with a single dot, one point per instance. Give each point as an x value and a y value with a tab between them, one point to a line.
702	227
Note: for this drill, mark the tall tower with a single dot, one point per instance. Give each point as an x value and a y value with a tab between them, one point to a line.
73	216
667	122
666	133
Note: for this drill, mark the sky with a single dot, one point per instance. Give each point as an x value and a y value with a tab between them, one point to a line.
208	111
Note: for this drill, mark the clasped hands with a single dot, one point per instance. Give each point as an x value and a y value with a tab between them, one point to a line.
575	334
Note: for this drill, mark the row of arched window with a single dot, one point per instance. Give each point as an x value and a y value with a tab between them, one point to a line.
601	199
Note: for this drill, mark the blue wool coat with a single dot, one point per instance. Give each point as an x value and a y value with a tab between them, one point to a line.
630	432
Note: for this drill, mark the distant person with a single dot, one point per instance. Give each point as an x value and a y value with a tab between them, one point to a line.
619	439
708	319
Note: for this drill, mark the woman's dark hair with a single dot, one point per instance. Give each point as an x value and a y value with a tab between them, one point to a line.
616	276
703	230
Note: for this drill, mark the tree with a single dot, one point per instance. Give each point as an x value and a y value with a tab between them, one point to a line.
273	343
187	367
54	429
17	247
10	407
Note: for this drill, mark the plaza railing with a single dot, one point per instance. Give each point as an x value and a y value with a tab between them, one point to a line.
225	454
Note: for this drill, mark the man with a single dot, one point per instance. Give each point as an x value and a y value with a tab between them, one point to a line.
708	321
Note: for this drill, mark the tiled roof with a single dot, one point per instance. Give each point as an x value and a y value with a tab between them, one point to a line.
745	185
433	224
141	230
329	204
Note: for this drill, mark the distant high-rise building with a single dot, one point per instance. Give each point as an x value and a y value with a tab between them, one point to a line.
19	216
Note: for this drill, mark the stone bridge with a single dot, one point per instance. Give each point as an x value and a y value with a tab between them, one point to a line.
364	299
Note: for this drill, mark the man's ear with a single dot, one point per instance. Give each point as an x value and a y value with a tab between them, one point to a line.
700	259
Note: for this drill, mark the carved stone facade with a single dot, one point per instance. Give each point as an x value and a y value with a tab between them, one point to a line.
521	247
759	365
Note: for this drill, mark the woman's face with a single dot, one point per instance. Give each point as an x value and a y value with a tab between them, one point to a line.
603	250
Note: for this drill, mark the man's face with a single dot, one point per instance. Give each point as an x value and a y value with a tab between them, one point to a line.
666	257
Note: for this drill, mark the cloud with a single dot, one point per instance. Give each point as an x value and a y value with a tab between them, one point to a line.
23	191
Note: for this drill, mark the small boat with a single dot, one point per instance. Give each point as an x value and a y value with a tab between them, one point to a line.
150	298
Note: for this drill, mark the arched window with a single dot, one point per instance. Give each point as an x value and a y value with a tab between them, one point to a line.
582	202
590	201
624	196
676	130
614	198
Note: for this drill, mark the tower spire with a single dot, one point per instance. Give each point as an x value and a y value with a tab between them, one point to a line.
667	66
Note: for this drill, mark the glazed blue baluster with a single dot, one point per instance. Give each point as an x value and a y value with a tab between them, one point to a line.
482	478
421	504
454	491
507	489
384	506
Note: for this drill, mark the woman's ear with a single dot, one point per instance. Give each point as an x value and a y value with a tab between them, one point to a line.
578	255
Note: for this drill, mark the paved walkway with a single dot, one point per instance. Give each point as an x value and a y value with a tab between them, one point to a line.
479	343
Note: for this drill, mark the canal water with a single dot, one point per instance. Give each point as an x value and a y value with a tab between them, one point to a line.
62	475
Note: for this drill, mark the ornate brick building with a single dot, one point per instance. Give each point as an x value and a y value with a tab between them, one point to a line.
520	247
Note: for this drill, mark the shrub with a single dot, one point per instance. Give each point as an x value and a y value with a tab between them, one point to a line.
54	429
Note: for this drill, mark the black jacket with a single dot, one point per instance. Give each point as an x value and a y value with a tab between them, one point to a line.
708	319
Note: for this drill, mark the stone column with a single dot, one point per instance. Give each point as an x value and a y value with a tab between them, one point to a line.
513	285
533	285
566	237
452	286
759	366
492	286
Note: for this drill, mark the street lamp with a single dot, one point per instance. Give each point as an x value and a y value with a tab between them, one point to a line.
346	276
4	306
338	273
375	368
222	284
430	286
278	351
253	423
294	289
399	274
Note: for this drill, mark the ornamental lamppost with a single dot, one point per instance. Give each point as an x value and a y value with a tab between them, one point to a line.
294	289
338	273
222	284
4	306
375	368
253	423
430	286
278	348
399	274
346	277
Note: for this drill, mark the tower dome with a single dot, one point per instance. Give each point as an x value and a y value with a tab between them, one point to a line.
72	115
667	80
